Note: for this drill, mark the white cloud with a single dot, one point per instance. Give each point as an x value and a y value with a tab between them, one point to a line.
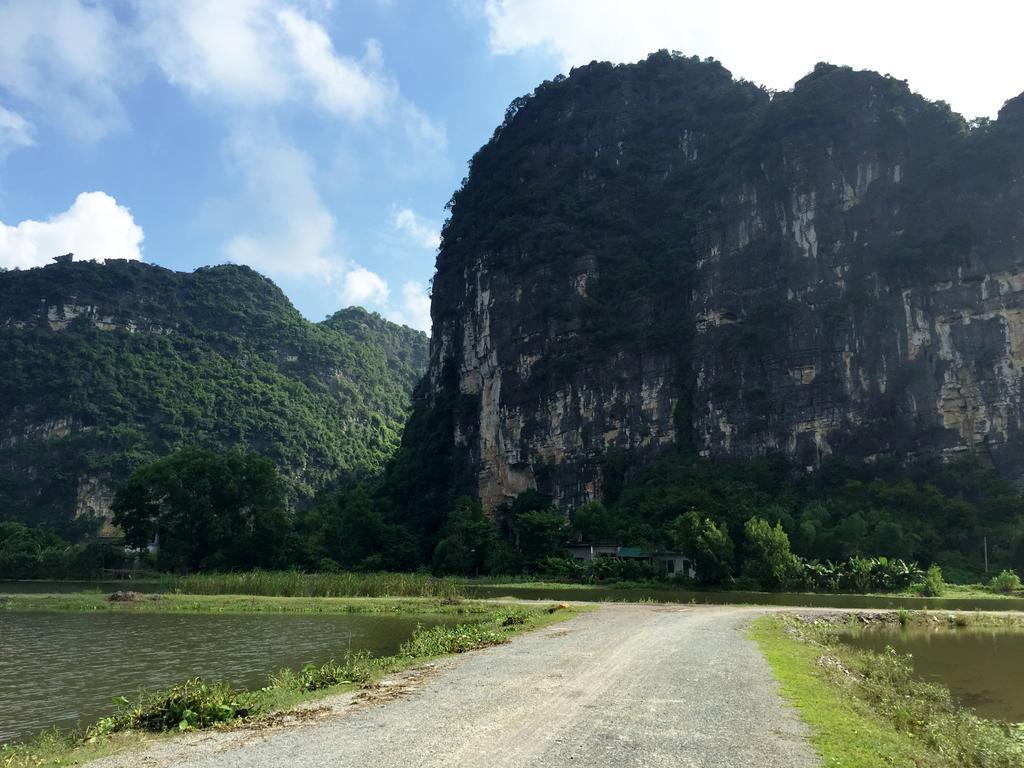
293	235
340	85
267	53
415	310
65	58
231	50
361	286
15	132
425	234
70	60
291	232
971	59
94	227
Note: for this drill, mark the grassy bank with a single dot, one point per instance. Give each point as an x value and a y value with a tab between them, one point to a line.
867	709
178	603
296	584
197	704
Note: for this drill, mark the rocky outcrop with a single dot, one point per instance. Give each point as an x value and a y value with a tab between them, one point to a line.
655	254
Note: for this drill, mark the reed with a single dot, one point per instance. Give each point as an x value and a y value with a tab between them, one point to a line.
297	584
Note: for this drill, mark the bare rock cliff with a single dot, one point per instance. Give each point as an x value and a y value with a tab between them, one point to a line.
657	254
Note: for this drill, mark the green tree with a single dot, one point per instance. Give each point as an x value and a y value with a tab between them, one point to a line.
468	541
540	533
205	510
594	522
707	544
348	529
769	563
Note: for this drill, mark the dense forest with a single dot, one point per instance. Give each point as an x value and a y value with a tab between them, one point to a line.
849	526
108	367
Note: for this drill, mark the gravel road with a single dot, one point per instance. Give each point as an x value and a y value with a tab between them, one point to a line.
620	686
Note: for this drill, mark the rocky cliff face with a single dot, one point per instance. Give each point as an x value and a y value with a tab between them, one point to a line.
657	254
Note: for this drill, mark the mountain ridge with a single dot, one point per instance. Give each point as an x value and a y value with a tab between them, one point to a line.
110	365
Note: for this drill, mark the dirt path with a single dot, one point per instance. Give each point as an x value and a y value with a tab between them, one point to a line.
620	686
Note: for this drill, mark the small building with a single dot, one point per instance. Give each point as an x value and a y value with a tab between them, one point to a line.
670	563
587	552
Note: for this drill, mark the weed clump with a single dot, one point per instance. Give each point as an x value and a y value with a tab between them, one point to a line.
513	617
438	641
355	668
193	704
927	710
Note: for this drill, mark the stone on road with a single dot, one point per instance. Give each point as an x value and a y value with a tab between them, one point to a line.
618	686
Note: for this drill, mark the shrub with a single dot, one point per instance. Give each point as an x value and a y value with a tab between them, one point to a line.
193	704
1006	582
355	668
933	585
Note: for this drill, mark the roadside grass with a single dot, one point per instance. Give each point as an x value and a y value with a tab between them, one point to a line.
196	704
867	709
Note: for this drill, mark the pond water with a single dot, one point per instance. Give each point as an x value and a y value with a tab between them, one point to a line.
983	669
795	599
65	668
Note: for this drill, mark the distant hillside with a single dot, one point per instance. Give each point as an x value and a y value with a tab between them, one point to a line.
109	366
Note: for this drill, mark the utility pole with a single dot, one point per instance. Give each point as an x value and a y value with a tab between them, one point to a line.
986	555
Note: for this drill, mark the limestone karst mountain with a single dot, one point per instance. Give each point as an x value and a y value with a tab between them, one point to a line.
658	254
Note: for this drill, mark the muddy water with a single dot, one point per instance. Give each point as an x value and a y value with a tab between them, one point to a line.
65	668
983	669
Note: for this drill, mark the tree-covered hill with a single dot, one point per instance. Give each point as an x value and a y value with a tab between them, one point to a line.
107	366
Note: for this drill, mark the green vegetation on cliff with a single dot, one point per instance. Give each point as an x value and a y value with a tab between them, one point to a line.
107	367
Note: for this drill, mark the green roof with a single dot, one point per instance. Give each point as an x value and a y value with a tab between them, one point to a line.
631	552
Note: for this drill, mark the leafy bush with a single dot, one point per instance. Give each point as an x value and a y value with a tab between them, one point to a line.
355	668
933	585
193	704
1006	582
39	553
599	569
860	574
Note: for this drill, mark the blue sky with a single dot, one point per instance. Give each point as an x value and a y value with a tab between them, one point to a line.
319	141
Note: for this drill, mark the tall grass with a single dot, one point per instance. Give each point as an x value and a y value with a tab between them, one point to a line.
296	584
